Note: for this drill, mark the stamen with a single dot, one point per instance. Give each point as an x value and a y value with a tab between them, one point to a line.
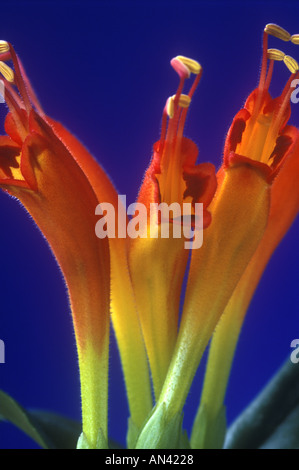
12	96
15	106
170	106
4	47
263	75
30	91
19	82
269	75
295	38
277	31
275	54
191	64
7	72
278	118
184	111
171	144
263	82
266	129
173	108
184	101
291	64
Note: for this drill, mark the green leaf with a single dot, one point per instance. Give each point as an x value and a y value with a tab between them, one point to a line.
270	414
49	430
13	412
286	435
60	432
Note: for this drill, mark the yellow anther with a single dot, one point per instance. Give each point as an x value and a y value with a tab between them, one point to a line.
277	31
291	64
192	65
295	39
170	107
275	54
4	47
6	71
184	101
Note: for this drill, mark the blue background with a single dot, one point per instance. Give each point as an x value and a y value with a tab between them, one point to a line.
102	69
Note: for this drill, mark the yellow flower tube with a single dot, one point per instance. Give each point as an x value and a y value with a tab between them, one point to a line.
121	298
215	269
229	243
283	210
124	313
257	145
157	258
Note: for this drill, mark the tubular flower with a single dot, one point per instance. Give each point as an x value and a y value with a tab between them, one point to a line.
173	180
124	314
283	210
257	145
37	168
135	270
43	165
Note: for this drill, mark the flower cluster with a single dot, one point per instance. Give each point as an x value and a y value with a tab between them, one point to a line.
138	283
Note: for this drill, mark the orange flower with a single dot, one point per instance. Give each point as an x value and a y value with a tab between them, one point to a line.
283	161
157	265
124	314
141	280
283	210
61	185
37	168
257	145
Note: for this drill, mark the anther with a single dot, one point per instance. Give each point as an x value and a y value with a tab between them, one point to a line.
192	65
4	46
6	71
275	54
170	107
184	101
277	31
291	64
295	38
